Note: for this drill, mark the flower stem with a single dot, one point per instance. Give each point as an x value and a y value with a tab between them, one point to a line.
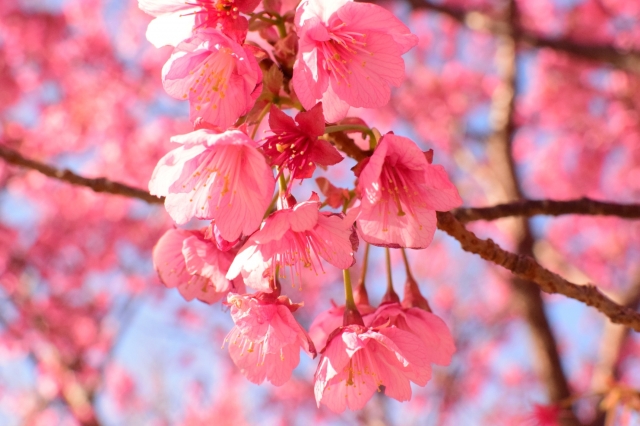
282	185
390	295
365	263
351	313
348	291
260	117
361	296
387	254
406	264
346	127
282	29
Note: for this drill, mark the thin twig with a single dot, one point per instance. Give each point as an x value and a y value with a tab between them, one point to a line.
96	184
529	208
477	20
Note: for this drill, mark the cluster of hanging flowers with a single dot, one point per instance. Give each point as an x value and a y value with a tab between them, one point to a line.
320	59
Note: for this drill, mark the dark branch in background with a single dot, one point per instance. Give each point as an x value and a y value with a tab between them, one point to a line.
529	208
97	184
527	268
549	282
526	295
628	60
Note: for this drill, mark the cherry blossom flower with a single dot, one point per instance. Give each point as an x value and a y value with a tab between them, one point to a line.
184	259
220	78
358	360
332	319
176	20
400	194
296	146
215	176
349	55
295	237
266	340
426	326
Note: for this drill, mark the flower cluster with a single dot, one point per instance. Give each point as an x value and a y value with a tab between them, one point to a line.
327	56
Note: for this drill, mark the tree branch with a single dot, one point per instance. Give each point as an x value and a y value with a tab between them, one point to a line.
527	268
529	208
526	208
476	20
97	184
521	266
527	297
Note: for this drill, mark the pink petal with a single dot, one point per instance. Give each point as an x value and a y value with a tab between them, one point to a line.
335	232
216	75
168	258
408	231
309	82
338	396
312	122
160	7
442	194
169	169
324	153
435	333
247	203
280	122
203	258
323	10
335	109
367	17
170	29
367	84
305	216
251	264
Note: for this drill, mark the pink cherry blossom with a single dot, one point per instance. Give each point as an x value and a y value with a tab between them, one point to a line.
266	340
358	360
184	259
349	55
426	326
176	20
215	176
400	194
332	319
297	146
295	237
220	78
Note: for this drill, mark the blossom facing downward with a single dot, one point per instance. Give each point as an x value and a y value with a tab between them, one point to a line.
426	326
358	360
295	238
215	176
266	340
330	320
296	145
184	259
176	20
400	193
220	78
350	54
